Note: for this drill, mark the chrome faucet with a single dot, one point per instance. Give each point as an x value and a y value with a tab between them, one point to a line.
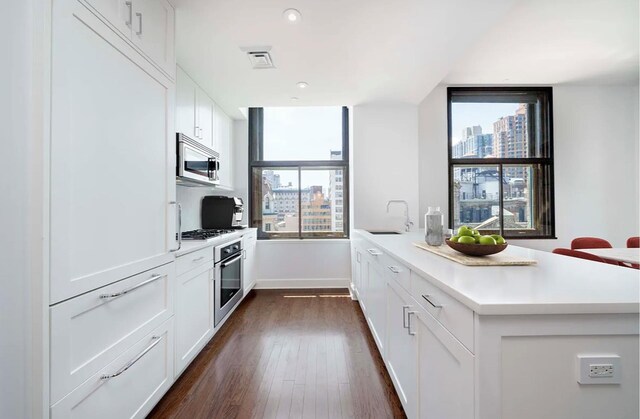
407	222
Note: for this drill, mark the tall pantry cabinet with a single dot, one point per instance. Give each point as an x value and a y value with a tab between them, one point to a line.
112	211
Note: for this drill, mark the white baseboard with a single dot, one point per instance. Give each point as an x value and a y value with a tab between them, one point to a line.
302	283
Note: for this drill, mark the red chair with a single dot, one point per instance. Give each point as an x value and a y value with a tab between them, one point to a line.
579	254
635	243
590	243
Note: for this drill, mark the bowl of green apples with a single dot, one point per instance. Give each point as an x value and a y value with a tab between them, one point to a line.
472	243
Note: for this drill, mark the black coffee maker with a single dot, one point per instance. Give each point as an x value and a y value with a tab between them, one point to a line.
222	212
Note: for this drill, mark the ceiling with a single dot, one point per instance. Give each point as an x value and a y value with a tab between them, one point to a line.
359	51
556	41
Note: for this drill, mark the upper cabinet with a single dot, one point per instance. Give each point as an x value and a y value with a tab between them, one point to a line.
148	24
199	117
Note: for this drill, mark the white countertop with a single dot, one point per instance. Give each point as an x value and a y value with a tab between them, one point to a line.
556	285
189	246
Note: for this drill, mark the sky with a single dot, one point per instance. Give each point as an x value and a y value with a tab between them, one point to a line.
484	114
302	133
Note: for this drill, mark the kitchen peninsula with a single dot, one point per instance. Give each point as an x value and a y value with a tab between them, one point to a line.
489	342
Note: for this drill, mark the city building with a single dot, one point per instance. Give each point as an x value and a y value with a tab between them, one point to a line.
336	194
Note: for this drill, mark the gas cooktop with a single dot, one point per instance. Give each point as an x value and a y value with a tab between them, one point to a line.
203	234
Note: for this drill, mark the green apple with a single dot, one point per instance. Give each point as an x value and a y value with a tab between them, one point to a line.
465	231
454	238
487	240
477	239
466	240
475	232
498	238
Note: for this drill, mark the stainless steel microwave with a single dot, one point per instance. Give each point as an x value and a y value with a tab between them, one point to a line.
196	164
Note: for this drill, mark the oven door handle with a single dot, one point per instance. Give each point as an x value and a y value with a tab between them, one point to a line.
229	262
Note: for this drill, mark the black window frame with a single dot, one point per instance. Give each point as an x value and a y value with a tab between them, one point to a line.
546	161
256	152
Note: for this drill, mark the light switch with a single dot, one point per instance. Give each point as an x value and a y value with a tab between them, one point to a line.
601	369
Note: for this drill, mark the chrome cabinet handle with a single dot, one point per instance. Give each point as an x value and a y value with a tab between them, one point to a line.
198	259
154	277
394	269
130	6
404	316
244	254
434	305
155	341
374	252
139	31
179	233
409	323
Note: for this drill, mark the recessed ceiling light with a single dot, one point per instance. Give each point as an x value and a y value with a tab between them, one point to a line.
302	84
292	16
294	98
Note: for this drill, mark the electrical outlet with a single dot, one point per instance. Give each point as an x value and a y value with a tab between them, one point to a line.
602	369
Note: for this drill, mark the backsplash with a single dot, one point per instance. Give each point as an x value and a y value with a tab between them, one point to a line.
190	198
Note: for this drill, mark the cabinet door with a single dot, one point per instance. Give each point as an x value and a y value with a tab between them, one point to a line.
112	148
119	13
224	133
249	268
445	371
205	118
153	32
131	393
376	303
401	347
186	104
194	314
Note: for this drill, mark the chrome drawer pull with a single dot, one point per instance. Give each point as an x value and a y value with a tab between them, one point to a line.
409	323
374	252
155	339
154	277
435	305
404	316
394	269
198	259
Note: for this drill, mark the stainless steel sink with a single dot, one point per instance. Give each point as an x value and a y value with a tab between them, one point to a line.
383	232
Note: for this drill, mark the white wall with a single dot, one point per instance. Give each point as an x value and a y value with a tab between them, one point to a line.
385	164
596	161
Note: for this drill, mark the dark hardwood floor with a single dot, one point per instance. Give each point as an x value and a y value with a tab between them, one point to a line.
287	354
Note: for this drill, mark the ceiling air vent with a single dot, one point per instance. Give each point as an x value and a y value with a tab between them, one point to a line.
260	57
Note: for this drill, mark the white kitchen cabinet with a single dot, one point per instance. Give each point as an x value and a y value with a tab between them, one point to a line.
376	299
91	330
129	386
223	140
194	311
119	13
186	110
195	113
249	268
401	347
153	31
112	156
445	371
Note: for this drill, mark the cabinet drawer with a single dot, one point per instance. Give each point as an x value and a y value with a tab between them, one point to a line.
396	271
192	260
139	378
92	330
452	314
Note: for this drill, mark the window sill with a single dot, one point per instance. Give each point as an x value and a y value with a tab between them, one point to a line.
305	241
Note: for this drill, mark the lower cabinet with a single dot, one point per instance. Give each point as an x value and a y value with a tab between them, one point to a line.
401	346
194	313
249	268
129	386
445	370
432	371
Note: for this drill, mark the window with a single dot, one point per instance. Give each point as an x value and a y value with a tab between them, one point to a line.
299	164
501	160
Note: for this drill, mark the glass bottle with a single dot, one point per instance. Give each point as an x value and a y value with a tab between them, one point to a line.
434	227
